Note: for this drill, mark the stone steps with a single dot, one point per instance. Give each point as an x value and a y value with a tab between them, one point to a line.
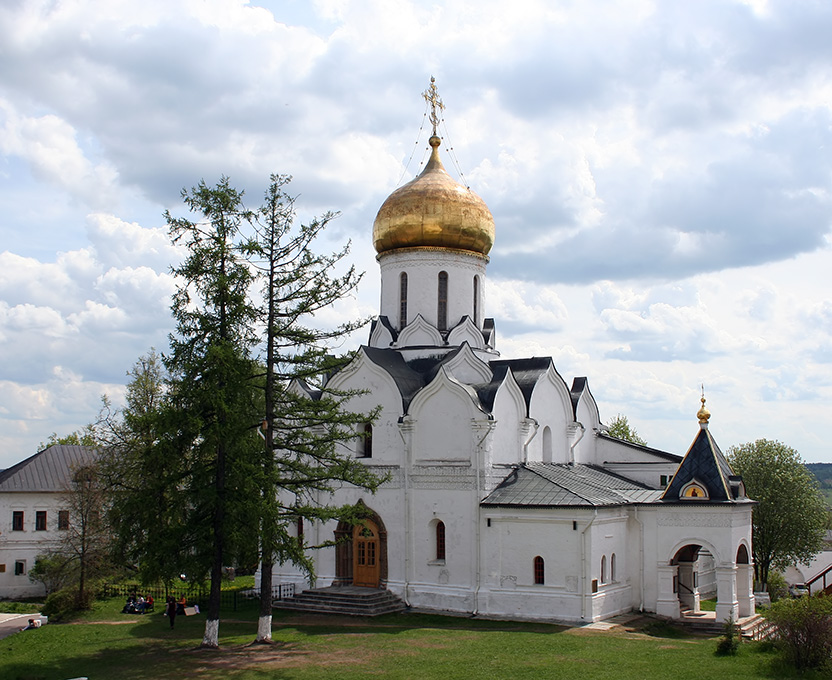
347	600
753	627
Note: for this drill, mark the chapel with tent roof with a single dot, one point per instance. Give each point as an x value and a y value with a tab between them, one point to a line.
505	496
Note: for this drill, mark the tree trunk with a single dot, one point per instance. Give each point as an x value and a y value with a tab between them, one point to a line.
264	623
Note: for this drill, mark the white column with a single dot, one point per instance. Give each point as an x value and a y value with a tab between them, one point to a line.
667	603
745	588
727	605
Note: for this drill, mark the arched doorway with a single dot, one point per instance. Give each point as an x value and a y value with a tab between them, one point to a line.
361	552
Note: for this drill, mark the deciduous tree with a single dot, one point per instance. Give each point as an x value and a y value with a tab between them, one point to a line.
619	427
86	540
789	520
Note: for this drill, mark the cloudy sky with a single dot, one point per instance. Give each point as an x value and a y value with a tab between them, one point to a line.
659	174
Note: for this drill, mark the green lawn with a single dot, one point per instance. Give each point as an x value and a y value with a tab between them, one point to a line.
107	644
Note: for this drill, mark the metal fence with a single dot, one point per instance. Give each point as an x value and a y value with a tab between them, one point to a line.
229	599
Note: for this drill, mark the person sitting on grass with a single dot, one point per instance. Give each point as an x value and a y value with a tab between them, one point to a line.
32	625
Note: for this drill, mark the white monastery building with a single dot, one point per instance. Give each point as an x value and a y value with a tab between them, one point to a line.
34	512
505	496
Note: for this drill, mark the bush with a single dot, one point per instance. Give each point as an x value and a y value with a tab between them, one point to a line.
62	604
729	643
804	629
776	586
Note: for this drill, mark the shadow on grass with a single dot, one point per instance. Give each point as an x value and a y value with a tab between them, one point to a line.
317	624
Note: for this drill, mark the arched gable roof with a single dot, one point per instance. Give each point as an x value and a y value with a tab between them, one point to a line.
465	331
580	394
526	372
508	385
419	333
445	381
390	362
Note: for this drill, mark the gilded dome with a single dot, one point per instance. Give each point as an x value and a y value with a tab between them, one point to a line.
435	211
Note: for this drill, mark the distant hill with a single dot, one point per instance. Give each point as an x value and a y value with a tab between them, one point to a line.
823	473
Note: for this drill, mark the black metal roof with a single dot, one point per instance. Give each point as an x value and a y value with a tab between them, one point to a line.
566	485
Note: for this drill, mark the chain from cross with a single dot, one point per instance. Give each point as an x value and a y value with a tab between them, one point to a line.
432	97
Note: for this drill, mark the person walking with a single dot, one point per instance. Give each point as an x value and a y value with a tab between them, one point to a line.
170	610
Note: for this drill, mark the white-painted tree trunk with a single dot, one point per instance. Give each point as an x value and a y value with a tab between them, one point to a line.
212	633
264	629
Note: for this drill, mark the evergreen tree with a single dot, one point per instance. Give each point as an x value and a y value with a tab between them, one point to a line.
211	393
303	427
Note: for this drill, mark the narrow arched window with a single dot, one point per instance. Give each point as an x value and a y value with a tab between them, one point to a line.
402	300
477	301
367	441
612	567
300	531
440	540
539	577
604	569
442	305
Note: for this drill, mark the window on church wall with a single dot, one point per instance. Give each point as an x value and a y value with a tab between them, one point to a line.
604	569
402	300
477	301
365	444
440	540
63	520
612	567
40	520
539	577
17	520
442	304
300	530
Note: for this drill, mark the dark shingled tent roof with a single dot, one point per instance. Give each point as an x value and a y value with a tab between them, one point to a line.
705	464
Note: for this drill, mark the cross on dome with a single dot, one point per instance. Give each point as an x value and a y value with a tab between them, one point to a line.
432	97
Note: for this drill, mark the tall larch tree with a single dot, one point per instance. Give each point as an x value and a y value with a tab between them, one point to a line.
210	369
304	421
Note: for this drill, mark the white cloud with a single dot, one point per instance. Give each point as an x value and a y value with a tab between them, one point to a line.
659	174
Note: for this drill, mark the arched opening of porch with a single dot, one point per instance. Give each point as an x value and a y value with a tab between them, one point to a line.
686	580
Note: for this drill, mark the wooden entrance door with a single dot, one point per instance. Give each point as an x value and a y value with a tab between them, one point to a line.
366	561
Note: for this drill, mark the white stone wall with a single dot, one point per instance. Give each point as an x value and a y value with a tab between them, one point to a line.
422	267
24	546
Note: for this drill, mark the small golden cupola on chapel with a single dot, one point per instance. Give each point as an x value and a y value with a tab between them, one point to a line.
433	210
703	413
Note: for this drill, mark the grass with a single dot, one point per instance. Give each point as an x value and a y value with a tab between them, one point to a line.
20	607
105	643
708	605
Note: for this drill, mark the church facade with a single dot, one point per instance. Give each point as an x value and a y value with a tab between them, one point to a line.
505	495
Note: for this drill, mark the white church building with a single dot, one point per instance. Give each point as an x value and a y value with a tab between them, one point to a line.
505	495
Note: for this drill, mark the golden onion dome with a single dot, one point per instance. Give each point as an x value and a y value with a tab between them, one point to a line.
434	211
